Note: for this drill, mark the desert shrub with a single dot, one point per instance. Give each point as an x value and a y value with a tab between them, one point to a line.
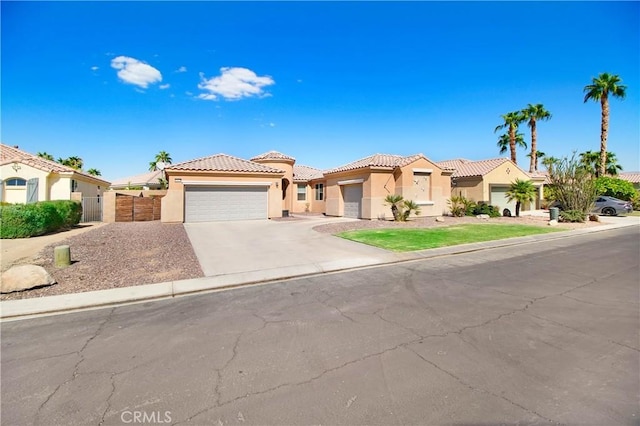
574	186
615	187
30	220
484	208
572	216
458	205
635	201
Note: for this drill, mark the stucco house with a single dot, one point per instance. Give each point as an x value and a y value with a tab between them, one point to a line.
27	178
489	180
358	189
146	181
270	185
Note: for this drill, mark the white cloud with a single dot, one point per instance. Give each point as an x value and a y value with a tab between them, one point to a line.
234	83
136	72
164	86
272	124
182	69
94	68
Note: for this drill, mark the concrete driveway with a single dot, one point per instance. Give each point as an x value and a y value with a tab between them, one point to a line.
276	248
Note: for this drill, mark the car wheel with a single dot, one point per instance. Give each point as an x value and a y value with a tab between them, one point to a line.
609	211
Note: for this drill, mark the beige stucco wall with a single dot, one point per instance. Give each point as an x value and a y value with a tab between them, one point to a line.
289	200
25	172
334	192
173	202
430	191
470	188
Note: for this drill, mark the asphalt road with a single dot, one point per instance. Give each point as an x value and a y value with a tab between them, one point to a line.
533	334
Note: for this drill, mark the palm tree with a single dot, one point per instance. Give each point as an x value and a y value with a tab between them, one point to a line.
46	156
94	172
534	113
591	161
395	201
522	191
503	142
511	121
540	156
73	162
599	90
164	157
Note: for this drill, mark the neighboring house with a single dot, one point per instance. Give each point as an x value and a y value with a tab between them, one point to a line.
222	187
27	178
633	177
488	181
359	189
149	180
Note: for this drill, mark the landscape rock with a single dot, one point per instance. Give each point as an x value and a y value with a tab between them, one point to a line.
483	216
439	219
553	222
25	277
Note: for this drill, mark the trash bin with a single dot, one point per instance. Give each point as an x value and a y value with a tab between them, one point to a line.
554	212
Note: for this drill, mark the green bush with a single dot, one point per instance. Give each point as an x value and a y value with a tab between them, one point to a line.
482	208
615	187
30	220
459	205
635	201
572	216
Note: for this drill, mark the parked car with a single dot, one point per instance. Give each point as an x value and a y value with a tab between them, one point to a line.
611	206
605	205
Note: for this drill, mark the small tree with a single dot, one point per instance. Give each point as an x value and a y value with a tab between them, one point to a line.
574	185
522	191
615	187
401	208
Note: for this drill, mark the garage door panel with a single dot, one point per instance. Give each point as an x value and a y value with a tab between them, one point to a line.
353	201
499	199
207	204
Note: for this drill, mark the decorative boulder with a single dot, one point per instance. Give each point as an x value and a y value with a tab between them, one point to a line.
439	219
483	216
553	222
25	277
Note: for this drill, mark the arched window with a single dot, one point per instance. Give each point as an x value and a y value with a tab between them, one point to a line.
15	182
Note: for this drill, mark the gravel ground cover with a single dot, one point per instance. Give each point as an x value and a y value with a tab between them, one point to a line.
118	255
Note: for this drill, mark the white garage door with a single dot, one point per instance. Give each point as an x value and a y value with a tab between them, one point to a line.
352	201
207	204
499	199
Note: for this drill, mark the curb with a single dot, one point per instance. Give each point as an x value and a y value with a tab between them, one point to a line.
11	310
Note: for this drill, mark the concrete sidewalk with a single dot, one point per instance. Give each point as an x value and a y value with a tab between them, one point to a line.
18	309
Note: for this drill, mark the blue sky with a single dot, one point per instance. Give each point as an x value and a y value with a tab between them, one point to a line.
325	82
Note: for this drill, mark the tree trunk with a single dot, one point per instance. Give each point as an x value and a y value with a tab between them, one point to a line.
533	165
517	208
395	212
512	142
604	129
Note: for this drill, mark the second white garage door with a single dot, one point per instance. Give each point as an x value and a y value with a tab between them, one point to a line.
208	204
499	199
352	201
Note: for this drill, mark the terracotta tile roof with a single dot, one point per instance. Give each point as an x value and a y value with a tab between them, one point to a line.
145	179
467	168
377	160
223	163
273	155
10	154
306	173
633	177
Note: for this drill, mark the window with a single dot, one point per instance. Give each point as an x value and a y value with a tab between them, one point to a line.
302	192
74	185
319	191
16	182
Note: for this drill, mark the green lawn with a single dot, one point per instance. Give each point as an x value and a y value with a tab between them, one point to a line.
419	239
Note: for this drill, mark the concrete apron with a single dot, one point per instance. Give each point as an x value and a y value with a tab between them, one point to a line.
66	303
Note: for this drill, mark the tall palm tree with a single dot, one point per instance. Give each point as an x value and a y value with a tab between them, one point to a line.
46	156
591	161
503	142
540	156
94	172
511	121
599	90
534	113
522	191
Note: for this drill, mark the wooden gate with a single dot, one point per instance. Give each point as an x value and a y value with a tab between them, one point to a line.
137	209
